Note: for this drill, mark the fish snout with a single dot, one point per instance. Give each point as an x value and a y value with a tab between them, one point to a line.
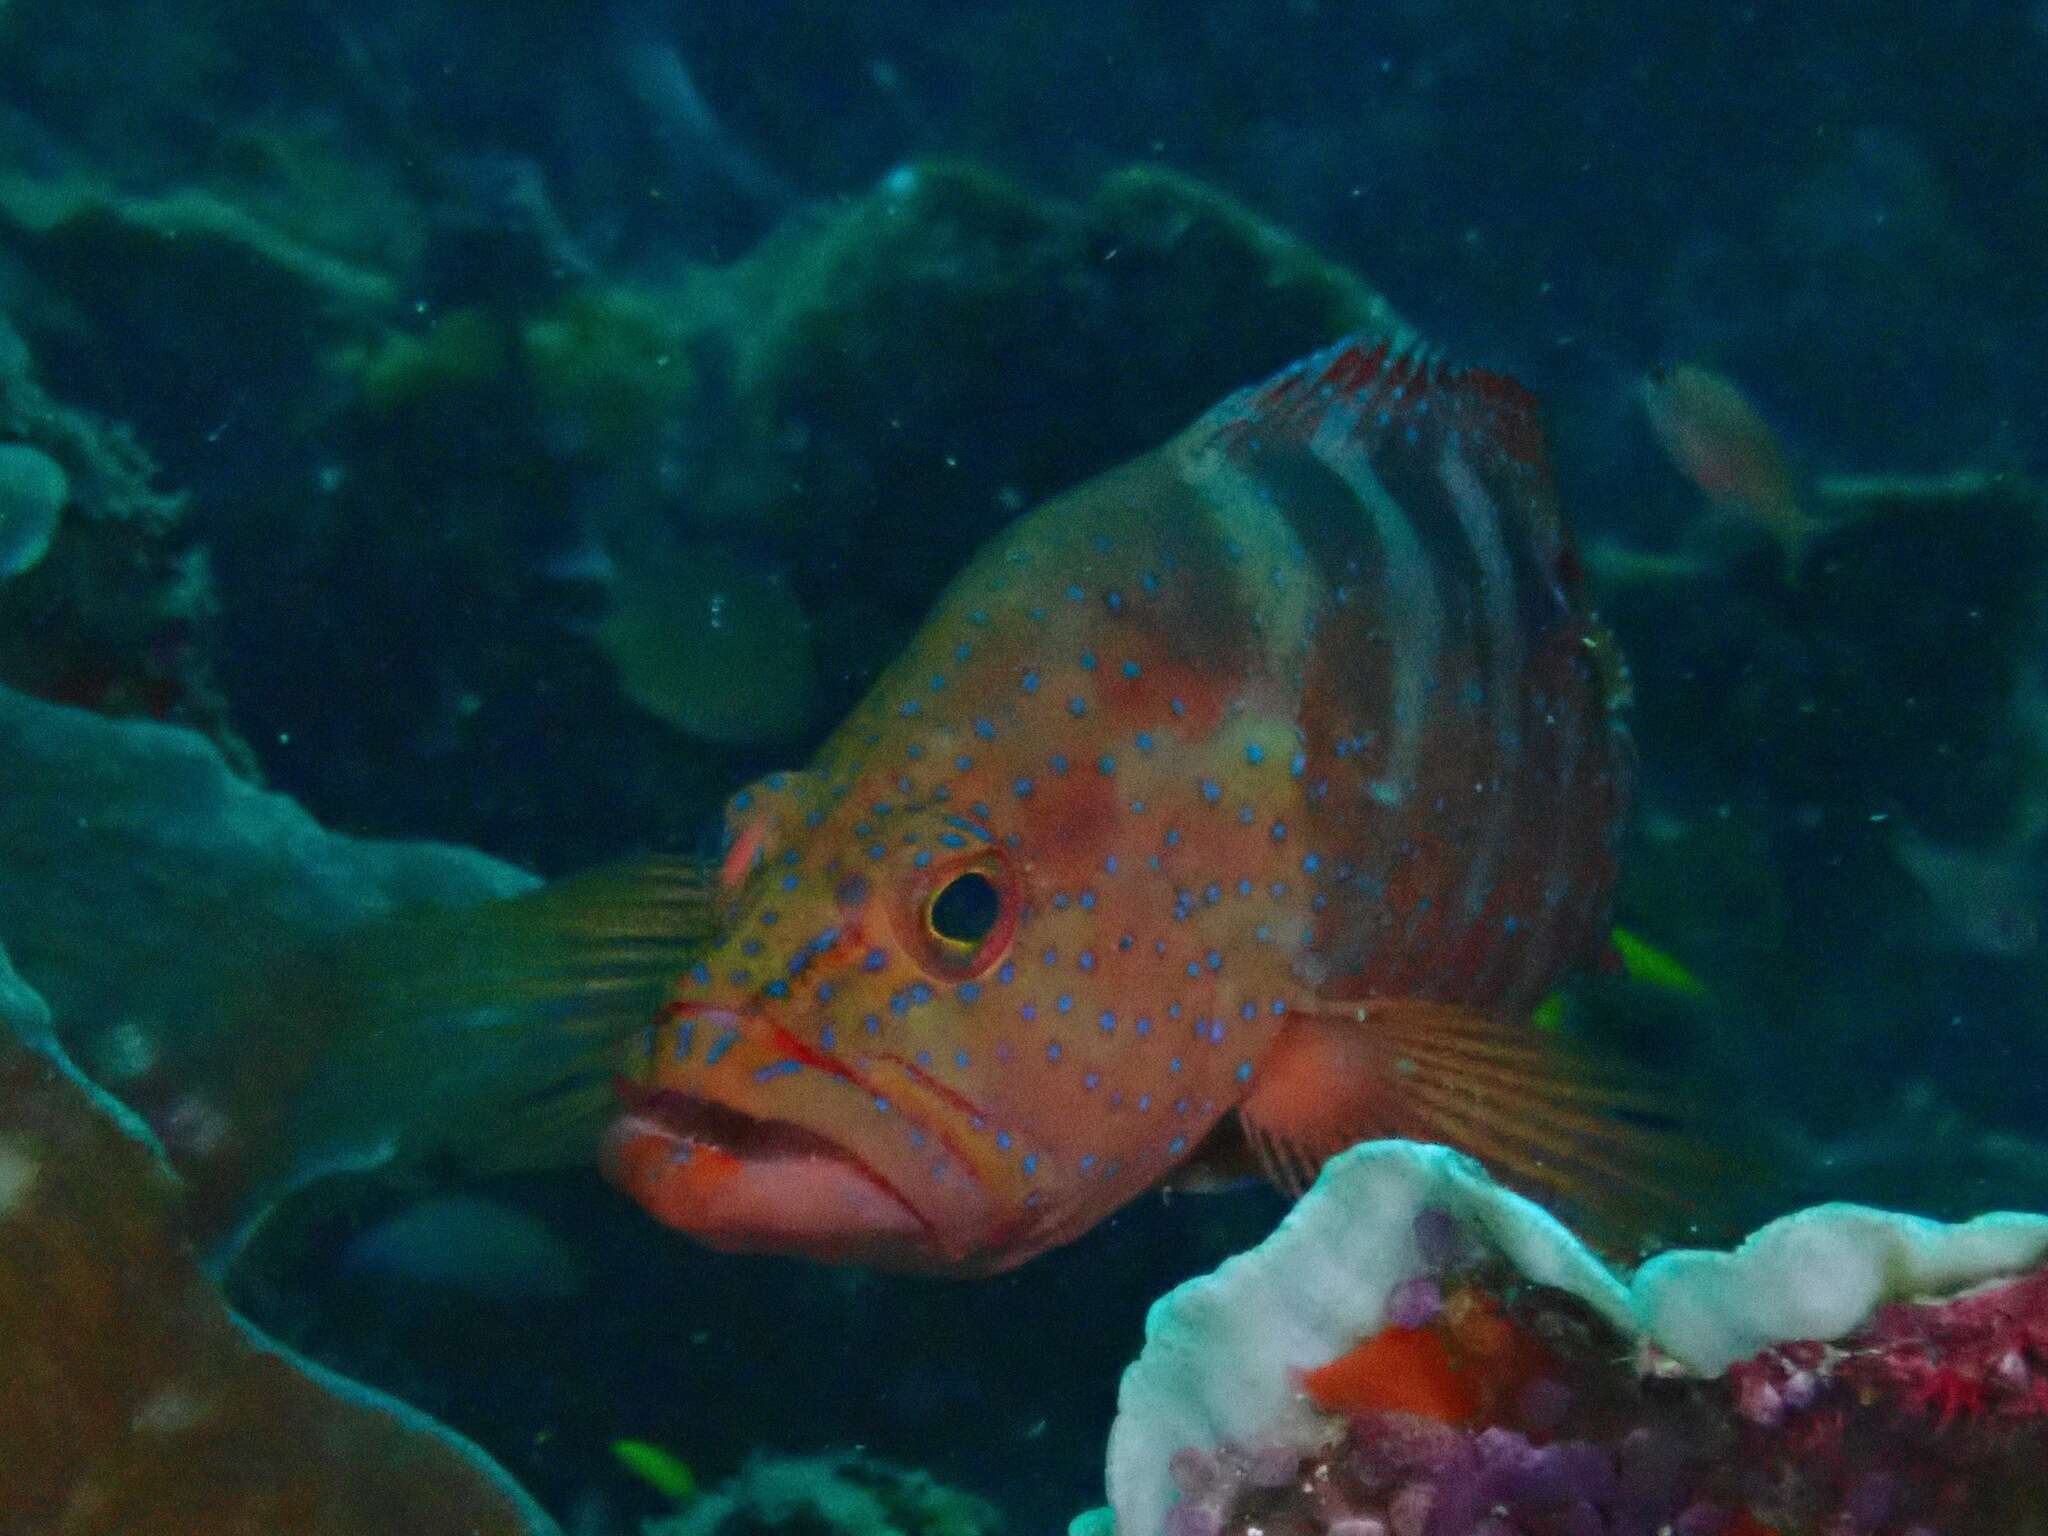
751	1142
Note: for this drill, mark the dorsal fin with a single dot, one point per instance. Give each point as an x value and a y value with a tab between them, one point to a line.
1380	385
1376	394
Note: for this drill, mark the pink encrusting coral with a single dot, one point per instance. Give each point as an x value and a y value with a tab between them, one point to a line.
1935	1412
1930	1420
1983	1354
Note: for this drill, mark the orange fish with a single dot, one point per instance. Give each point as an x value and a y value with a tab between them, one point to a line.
1718	441
1238	804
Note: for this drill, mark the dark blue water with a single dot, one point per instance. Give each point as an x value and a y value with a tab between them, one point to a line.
494	295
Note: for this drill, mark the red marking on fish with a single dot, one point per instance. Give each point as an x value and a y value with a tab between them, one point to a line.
1290	722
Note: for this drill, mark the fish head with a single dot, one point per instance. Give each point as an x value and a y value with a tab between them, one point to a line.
809	1087
980	980
943	1033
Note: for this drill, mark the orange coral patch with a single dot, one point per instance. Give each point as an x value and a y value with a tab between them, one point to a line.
1397	1370
1467	1367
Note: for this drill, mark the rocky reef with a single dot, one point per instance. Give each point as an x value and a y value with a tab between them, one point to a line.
522	434
155	1408
106	597
1417	1352
841	1495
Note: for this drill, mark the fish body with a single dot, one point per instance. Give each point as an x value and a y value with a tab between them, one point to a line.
1271	774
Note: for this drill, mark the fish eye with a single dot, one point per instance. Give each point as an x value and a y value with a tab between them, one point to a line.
958	920
964	910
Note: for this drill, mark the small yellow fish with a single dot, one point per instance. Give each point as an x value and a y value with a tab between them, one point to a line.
1637	959
663	1471
1645	962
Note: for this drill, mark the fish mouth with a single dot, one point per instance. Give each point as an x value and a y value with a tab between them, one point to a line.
744	1183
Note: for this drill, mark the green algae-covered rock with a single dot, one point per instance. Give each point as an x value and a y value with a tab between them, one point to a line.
114	612
177	1415
33	490
821	433
906	371
148	892
108	237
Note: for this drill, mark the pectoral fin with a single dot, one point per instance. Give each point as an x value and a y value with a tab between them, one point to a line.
1540	1115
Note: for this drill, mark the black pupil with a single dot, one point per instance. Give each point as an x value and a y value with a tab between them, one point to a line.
966	909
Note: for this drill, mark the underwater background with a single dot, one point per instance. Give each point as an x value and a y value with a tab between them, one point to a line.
521	427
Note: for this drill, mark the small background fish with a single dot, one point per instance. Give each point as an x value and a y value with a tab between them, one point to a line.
1717	439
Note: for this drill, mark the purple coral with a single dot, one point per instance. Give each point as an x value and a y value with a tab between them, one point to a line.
1401	1475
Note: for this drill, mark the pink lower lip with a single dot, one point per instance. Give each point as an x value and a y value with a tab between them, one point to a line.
744	1184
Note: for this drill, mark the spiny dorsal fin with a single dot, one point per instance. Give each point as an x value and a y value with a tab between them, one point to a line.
1377	387
1385	397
